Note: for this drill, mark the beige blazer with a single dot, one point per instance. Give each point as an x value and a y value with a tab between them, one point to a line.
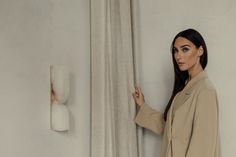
192	128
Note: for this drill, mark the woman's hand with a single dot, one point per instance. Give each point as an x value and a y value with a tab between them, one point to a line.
138	96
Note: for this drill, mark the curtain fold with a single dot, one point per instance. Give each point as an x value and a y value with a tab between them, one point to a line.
113	70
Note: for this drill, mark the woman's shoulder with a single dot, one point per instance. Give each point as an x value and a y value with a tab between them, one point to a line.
207	85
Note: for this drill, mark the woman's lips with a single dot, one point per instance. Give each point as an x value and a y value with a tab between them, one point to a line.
180	63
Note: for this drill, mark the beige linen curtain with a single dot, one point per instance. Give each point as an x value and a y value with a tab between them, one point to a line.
113	131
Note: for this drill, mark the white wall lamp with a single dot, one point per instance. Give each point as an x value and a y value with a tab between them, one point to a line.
60	89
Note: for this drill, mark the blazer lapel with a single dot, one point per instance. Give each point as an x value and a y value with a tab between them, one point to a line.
181	99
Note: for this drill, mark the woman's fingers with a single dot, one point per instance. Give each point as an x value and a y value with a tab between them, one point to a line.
139	90
134	94
138	96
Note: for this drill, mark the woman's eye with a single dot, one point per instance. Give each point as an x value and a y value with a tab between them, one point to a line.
185	49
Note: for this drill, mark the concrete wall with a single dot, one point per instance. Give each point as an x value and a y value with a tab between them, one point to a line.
159	22
33	35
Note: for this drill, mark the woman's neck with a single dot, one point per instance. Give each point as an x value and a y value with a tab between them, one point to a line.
194	71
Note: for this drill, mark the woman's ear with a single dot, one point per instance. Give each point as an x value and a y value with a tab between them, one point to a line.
200	51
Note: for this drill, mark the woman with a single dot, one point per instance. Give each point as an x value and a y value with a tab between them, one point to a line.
189	125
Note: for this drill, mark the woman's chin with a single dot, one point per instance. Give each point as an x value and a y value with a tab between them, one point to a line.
183	68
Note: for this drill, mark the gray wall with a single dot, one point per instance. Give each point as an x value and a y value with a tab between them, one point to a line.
159	22
33	35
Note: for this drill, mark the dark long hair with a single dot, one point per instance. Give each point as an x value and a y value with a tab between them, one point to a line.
181	76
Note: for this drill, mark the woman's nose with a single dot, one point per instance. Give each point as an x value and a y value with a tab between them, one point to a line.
178	56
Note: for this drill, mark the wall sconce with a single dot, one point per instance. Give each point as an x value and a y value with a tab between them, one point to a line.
60	89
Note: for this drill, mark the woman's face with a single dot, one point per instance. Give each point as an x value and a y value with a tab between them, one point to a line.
186	54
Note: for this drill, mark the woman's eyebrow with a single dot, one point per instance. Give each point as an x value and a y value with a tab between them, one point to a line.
184	46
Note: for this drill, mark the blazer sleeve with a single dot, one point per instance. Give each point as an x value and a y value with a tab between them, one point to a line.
205	126
150	119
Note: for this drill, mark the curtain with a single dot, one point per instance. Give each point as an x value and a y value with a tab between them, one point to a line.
113	75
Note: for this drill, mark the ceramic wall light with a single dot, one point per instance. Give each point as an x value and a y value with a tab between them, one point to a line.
60	90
